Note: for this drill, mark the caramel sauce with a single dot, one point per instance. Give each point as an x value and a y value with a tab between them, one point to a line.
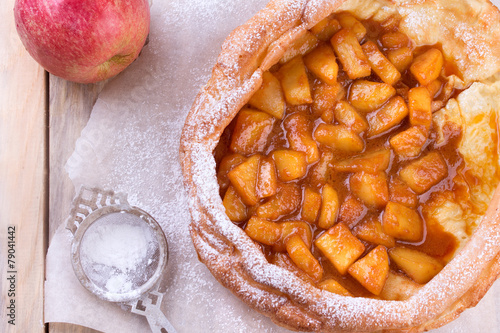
436	242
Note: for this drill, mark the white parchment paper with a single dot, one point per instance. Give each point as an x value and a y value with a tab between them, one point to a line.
131	145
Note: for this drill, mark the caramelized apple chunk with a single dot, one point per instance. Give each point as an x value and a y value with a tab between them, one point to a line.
328	116
251	132
398	287
325	97
290	164
400	192
370	162
367	96
334	287
340	247
339	137
385	70
326	28
370	188
434	88
311	205
329	207
372	270
427	171
350	54
389	116
348	21
394	39
295	83
244	179
427	66
263	231
321	62
391	23
290	228
235	208
417	265
351	211
402	222
299	134
419	105
284	202
345	114
227	163
371	231
409	143
303	258
269	98
267	180
321	171
401	58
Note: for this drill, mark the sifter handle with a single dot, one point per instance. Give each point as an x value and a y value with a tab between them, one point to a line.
149	306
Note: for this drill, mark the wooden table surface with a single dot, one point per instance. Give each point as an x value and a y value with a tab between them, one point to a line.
41	116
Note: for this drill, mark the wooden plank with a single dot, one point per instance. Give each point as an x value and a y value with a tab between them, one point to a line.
70	106
23	169
69	328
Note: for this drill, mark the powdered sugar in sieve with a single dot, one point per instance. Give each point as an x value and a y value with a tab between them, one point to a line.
119	253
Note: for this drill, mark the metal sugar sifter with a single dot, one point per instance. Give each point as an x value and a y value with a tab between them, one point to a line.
119	253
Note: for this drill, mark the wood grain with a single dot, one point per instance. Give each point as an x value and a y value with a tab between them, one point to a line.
70	106
23	170
69	328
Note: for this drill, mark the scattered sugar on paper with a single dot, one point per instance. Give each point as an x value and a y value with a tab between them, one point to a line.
131	145
116	252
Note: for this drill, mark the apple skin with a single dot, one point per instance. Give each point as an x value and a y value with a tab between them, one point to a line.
83	41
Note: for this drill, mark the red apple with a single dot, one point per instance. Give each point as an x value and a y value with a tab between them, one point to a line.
83	40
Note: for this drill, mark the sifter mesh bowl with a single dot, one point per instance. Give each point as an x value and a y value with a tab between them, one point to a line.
118	252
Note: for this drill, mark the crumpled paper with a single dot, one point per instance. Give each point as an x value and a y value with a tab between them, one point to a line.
131	144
